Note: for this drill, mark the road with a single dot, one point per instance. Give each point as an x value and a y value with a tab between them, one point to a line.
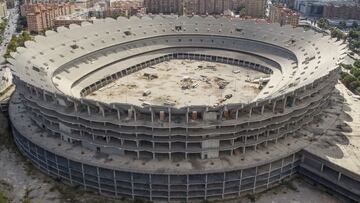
10	28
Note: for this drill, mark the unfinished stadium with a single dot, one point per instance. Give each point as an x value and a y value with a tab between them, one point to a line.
175	108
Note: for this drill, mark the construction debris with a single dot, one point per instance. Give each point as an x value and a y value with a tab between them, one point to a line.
146	92
169	103
208	67
145	104
228	96
221	82
187	83
150	76
131	86
204	78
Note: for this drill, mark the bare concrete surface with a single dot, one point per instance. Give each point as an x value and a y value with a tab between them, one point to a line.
182	83
337	133
295	191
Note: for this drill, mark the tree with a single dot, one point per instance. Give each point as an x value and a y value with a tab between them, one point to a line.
354	34
17	41
323	23
348	79
357	63
356	72
355	24
358	89
354	84
346	66
21	24
342	25
336	33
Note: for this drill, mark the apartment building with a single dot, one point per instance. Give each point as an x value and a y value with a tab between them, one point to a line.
283	15
40	17
254	8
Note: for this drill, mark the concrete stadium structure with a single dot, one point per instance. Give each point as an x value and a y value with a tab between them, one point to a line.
174	151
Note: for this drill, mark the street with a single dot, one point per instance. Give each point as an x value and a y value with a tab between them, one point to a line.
10	28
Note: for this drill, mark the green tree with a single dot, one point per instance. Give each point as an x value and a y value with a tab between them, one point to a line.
336	33
342	25
17	41
323	23
354	34
348	79
354	84
356	72
358	89
357	63
355	24
346	66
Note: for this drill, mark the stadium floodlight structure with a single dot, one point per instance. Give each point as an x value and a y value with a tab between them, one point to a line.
170	151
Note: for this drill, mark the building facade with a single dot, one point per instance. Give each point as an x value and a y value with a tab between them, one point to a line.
283	15
40	17
254	8
3	9
342	11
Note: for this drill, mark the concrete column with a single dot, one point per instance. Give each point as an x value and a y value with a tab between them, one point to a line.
168	183
292	164
75	107
241	174
187	188
102	111
57	164
132	185
322	167
223	186
267	137
118	114
294	100
152	116
83	175
237	114
134	112
256	170
206	185
250	112
115	185
169	110
284	105
339	177
268	179
44	95
98	179
150	187
281	169
262	109
89	110
274	105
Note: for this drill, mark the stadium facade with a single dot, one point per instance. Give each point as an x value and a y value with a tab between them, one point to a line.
169	152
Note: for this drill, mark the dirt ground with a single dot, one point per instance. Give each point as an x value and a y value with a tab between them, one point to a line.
21	182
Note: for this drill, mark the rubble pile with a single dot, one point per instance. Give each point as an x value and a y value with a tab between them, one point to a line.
208	67
150	76
188	83
222	83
